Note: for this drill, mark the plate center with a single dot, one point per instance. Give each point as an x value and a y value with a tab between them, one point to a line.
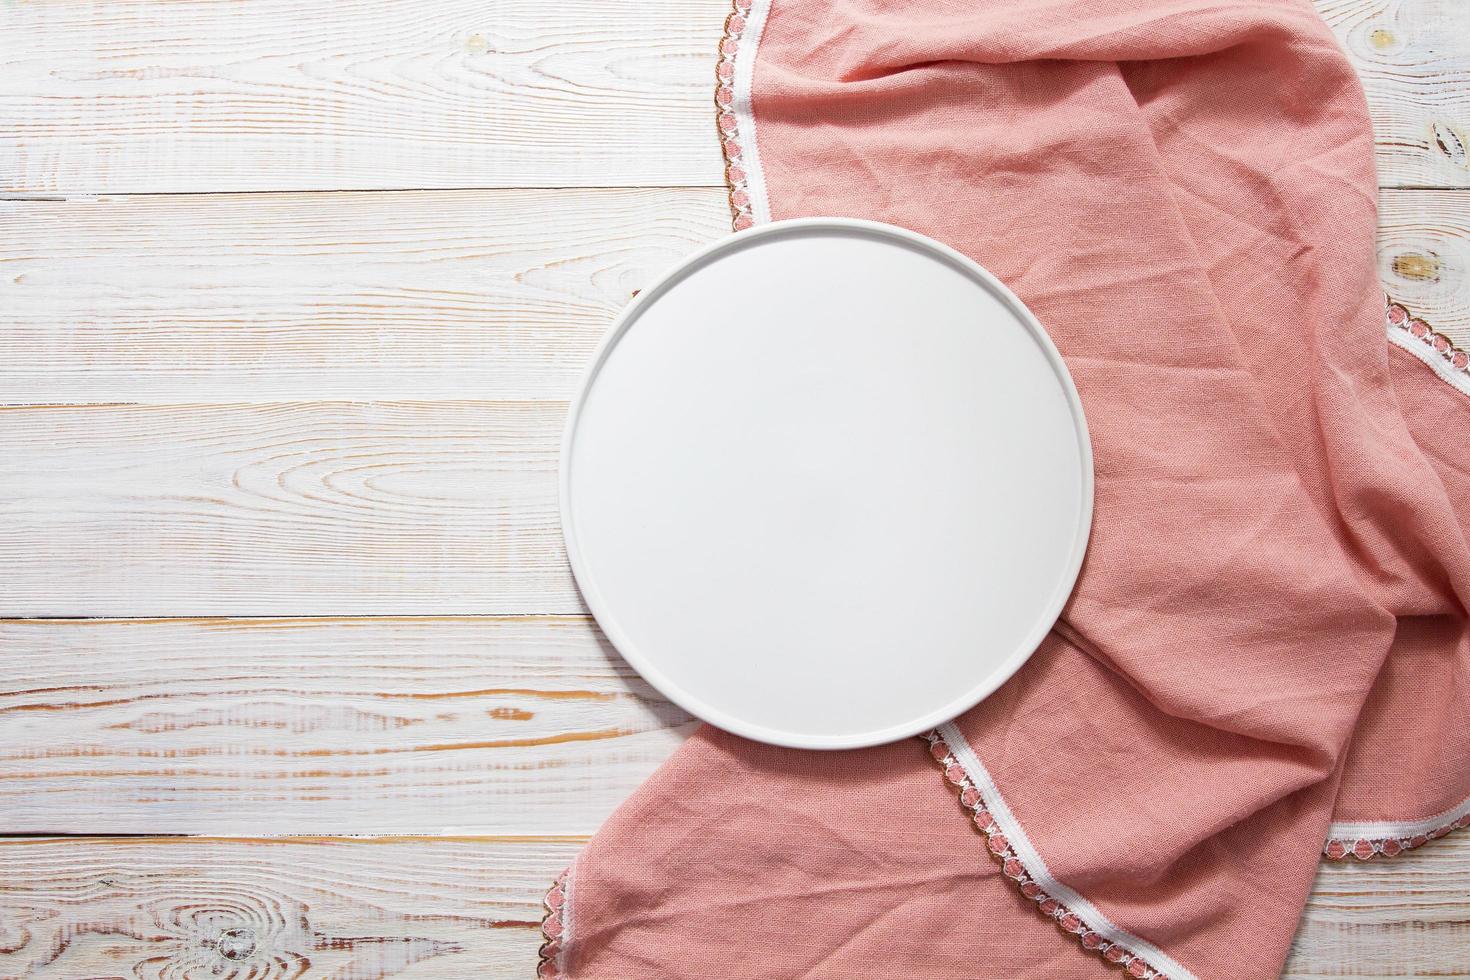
827	484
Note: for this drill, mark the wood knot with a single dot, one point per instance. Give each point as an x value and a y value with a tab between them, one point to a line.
1450	144
236	944
1413	265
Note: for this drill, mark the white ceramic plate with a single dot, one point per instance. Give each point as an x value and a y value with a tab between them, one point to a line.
827	484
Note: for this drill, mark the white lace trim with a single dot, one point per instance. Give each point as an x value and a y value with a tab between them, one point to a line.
1435	349
735	117
556	929
1368	839
1021	862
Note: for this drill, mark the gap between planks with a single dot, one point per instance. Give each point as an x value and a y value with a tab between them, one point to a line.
130	839
90	197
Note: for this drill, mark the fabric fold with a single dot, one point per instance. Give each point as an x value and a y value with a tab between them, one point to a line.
1267	649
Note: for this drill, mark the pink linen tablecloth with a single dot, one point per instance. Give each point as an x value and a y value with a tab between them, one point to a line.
1266	657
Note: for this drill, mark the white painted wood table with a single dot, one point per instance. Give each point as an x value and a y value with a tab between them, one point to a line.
293	292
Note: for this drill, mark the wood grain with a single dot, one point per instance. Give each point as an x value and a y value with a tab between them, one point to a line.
208	95
271	297
1414	62
210	909
1400	918
323	508
366	726
444	909
1424	256
440	295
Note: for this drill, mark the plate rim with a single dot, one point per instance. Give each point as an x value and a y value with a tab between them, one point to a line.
607	623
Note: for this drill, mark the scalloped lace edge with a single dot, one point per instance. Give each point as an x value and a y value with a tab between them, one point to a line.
1416	336
1366	841
556	929
1022	865
734	120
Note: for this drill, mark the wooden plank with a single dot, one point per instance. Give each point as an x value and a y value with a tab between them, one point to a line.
319	509
270	297
445	909
207	95
1424	255
459	295
1405	917
1413	57
369	726
274	909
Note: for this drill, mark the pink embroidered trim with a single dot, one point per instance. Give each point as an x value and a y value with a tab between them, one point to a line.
726	120
1364	848
1400	320
1013	868
553	925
